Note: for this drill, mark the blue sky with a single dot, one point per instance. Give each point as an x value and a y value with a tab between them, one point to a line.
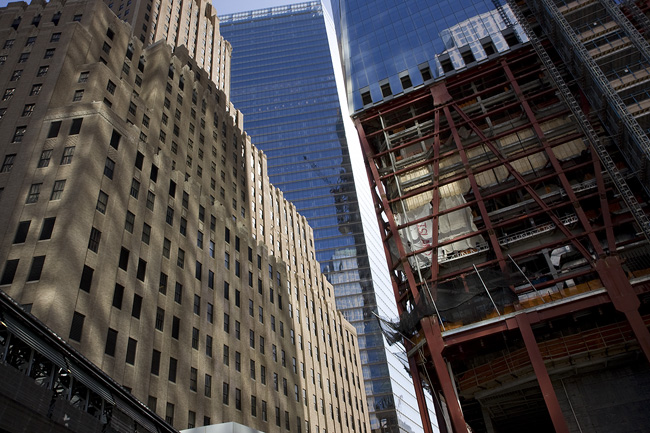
231	6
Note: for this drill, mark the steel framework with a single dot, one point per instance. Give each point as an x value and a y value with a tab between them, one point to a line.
500	213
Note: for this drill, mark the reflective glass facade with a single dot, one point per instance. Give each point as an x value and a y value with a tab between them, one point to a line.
389	47
283	80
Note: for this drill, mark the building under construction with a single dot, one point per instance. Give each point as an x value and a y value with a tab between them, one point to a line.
512	199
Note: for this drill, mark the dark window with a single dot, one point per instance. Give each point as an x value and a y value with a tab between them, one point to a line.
54	129
142	270
46	228
176	325
36	268
155	363
124	259
139	159
195	338
109	168
21	233
178	293
115	139
95	238
118	294
111	340
9	272
76	328
130	351
137	306
76	126
162	284
172	369
86	278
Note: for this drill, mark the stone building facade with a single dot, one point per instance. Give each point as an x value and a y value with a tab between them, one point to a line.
127	186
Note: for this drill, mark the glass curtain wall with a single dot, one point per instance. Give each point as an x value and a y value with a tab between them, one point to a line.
283	81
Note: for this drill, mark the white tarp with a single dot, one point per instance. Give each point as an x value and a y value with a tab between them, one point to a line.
451	225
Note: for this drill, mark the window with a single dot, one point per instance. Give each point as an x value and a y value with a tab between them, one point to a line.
237	398
124	259
36	89
170	216
75	127
208	345
197	305
42	71
151	200
226	323
68	153
28	110
264	414
160	319
55	37
115	139
19	134
78	95
111	340
169	412
34	192
226	355
110	87
135	188
178	293
9	93
76	328
155	362
86	278
146	233
102	202
253	406
193	379
162	284
208	386
109	168
130	351
142	270
173	363
225	393
129	222
167	245
176	327
8	163
15	76
46	228
49	53
252	369
95	238
54	129
21	233
23	57
180	260
9	272
237	330
83	77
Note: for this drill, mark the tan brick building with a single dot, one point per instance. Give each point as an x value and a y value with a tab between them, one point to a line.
137	221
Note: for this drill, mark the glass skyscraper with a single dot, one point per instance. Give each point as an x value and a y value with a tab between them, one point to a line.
283	80
389	47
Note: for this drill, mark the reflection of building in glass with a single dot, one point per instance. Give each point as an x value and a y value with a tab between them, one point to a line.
515	226
283	81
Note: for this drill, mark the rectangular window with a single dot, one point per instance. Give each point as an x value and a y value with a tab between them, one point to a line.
225	393
167	245
57	189
8	163
75	127
155	362
170	216
208	386
151	200
21	233
102	202
226	323
68	153
237	398
118	294
226	355
109	168
173	364
78	95
9	272
46	228
178	293
124	259
19	134
160	319
176	327
111	340
193	379
180	260
28	110
162	284
135	188
195	338
137	306
93	241
210	313
208	345
146	233
142	270
76	328
86	278
130	351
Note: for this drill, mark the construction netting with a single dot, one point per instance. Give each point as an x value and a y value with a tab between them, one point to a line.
466	299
